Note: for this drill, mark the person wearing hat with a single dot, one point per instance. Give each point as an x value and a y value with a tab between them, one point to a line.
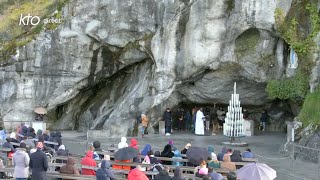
38	163
20	162
186	147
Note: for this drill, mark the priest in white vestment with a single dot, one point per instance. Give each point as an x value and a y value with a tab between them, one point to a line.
199	129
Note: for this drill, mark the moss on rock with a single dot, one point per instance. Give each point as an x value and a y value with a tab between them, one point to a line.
247	43
18	35
310	112
298	28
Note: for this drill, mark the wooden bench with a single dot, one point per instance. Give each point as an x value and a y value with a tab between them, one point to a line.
185	169
78	159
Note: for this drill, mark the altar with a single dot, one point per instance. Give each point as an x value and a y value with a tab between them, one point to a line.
36	125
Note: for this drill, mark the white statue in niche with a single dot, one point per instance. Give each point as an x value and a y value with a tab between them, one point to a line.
293	59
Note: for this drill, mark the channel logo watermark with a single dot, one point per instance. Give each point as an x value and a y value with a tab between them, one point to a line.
26	20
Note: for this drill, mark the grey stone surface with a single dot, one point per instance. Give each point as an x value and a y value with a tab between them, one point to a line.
111	60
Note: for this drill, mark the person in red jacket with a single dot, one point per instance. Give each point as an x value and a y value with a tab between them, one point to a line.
88	161
137	174
134	143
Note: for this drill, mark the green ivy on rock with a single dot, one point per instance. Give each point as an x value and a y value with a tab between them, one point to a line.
310	112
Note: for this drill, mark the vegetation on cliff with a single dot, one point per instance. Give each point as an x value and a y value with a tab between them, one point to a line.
299	28
310	113
15	31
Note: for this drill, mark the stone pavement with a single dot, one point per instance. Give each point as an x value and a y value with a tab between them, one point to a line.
265	146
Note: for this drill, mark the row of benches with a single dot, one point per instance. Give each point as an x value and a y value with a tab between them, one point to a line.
85	177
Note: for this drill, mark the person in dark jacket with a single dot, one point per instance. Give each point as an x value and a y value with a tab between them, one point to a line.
38	163
163	174
105	173
167	117
31	133
97	147
62	151
153	159
167	152
188	120
8	144
264	119
178	174
186	147
46	135
220	155
231	176
57	140
24	130
51	139
236	156
39	133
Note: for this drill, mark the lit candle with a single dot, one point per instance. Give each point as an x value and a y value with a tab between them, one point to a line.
292	134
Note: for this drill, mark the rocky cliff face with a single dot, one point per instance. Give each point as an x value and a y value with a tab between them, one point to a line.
111	60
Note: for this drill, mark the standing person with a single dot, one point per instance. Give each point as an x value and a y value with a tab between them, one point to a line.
3	135
180	119
167	117
221	116
264	119
38	163
144	122
208	118
199	130
194	117
21	163
188	118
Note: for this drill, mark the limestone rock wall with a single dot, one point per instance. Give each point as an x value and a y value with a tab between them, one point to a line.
111	60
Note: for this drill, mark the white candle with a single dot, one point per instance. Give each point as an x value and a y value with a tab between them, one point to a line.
292	134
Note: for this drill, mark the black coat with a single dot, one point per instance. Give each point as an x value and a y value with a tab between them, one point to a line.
39	165
167	152
163	175
167	117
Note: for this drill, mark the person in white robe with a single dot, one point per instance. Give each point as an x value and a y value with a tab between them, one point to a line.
199	129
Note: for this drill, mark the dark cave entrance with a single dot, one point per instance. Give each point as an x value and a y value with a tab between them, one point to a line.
274	109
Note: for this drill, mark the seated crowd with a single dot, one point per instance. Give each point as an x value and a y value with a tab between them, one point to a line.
31	154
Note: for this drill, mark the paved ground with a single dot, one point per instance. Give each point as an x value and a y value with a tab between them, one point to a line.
265	146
